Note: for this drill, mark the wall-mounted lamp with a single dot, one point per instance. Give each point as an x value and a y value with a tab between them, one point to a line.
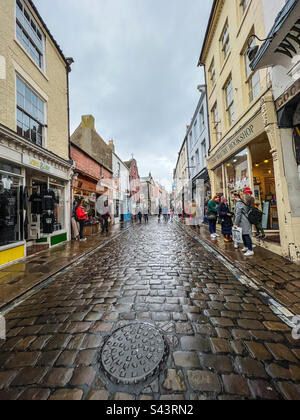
252	51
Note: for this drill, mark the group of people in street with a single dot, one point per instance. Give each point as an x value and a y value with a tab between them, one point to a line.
168	214
245	215
80	217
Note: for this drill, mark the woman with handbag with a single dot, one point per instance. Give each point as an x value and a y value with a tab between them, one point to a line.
226	219
212	215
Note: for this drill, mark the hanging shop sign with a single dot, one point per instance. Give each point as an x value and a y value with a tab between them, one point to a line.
288	95
237	142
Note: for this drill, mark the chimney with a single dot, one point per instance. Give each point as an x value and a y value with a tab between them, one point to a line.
88	121
111	145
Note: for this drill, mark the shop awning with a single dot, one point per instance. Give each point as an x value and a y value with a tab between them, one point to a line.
284	39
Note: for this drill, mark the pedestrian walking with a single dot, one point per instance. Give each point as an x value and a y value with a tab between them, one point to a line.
82	217
212	215
140	215
225	216
165	213
171	215
105	216
250	201
159	212
75	222
145	214
241	221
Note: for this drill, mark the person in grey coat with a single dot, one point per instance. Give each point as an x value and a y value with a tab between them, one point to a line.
241	221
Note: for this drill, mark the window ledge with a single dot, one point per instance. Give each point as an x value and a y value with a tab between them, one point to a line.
30	58
225	62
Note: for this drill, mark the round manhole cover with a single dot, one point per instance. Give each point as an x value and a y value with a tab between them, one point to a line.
134	353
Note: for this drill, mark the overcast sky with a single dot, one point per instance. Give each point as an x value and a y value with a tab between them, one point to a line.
135	70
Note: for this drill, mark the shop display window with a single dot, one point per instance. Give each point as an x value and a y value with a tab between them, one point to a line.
59	208
10	188
237	172
47	208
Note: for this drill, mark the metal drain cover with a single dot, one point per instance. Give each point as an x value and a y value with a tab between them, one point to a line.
134	353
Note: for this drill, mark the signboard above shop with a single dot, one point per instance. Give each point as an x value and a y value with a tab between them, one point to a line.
237	142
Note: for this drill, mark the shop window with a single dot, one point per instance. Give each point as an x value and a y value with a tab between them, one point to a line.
237	174
10	210
47	208
264	183
59	208
30	114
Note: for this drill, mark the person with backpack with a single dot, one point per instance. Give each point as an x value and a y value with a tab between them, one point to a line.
81	217
241	221
254	214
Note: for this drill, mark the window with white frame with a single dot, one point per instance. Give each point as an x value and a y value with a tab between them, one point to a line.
30	113
225	41
212	73
202	119
29	34
203	153
191	138
197	157
216	122
196	131
243	5
252	78
229	97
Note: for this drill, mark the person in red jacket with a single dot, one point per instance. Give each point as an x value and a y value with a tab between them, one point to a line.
82	217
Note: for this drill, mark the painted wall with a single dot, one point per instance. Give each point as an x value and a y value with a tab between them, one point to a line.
50	85
200	133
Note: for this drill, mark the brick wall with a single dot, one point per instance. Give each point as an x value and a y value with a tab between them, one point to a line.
84	163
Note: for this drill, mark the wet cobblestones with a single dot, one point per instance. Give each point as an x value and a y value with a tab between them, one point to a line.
225	343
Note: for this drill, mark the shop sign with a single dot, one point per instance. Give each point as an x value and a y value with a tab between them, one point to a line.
287	96
37	164
237	142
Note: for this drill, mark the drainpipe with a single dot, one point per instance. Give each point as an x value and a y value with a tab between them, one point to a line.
69	62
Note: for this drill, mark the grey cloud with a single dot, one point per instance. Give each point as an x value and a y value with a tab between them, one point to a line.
135	70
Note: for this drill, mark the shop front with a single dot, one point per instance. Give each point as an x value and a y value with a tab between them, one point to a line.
281	54
245	160
34	198
85	188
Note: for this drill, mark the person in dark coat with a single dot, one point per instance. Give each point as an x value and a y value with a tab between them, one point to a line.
226	217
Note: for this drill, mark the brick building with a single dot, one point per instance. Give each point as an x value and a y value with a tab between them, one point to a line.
93	165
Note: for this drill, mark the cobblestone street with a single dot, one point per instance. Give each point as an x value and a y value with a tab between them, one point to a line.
225	343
